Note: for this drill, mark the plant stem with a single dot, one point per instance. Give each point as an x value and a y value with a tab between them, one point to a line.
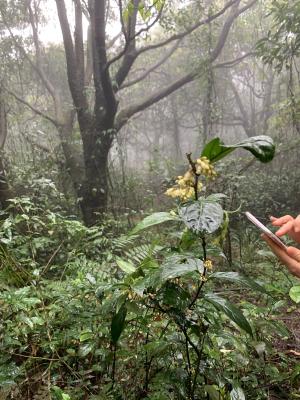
193	166
200	286
114	365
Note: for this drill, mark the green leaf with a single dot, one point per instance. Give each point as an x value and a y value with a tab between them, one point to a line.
177	266
118	324
174	296
125	266
59	394
85	349
201	216
230	310
236	277
237	393
295	294
262	147
154	219
86	335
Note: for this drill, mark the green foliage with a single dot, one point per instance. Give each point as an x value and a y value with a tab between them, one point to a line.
295	294
282	42
262	147
97	308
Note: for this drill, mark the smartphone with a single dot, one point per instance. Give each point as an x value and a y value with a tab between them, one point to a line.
267	231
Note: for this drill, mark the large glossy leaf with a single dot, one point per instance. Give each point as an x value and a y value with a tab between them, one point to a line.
118	324
262	147
153	219
177	266
230	310
238	278
201	216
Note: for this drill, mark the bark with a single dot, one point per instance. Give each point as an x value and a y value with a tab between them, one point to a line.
5	192
94	190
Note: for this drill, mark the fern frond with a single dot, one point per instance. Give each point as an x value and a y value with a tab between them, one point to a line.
124	242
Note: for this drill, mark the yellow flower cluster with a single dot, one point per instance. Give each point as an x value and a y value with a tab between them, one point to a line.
184	188
204	167
208	264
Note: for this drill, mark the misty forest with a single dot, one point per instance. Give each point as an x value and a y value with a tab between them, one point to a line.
135	137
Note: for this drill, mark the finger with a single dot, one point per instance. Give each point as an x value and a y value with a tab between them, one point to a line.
282	220
286	228
288	259
294	253
297	224
278	251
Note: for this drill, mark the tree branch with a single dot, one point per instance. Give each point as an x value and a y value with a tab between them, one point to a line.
188	31
79	49
128	112
130	48
232	63
74	79
100	48
3	121
32	108
36	42
153	68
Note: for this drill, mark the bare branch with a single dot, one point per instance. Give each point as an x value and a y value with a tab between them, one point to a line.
227	25
3	122
188	31
35	66
128	112
232	63
100	47
129	49
32	108
74	78
153	68
174	37
79	49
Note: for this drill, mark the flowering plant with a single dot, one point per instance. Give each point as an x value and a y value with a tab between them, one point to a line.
170	286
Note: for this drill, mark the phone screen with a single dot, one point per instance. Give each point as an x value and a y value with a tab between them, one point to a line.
264	229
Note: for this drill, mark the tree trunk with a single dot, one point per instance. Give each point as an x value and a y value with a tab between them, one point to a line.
5	193
93	193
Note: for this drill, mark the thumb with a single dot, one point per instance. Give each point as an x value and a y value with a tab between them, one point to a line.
294	253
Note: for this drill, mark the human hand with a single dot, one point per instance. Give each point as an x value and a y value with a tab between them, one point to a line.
290	257
288	226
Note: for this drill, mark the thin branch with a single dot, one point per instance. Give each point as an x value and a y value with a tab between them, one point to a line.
38	55
35	66
34	109
232	63
188	31
128	40
153	68
128	112
129	49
